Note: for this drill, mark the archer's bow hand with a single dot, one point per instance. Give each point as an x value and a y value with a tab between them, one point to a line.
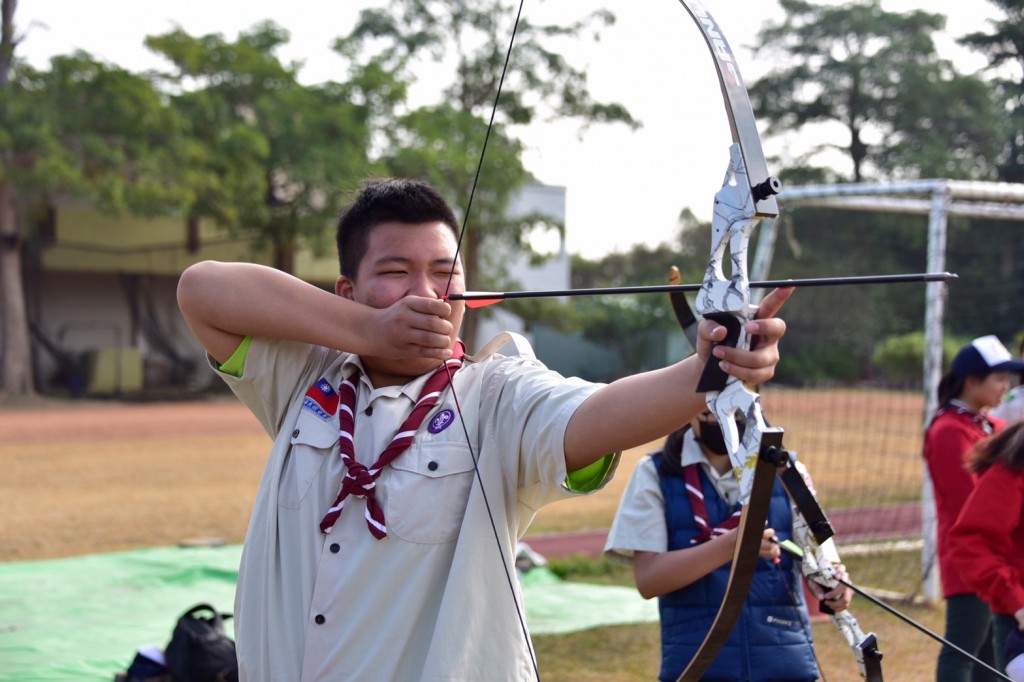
757	365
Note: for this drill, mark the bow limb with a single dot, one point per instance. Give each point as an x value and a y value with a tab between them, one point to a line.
817	567
684	313
811	530
746	196
748	544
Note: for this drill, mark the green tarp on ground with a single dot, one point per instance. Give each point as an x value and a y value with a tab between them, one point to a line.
83	618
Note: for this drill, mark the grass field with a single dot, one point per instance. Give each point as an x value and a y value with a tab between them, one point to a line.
82	478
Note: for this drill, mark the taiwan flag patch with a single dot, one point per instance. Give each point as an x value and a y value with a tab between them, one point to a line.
321	399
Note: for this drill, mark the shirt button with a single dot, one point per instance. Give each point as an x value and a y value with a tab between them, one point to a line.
432	466
335	548
320	620
368	411
295	433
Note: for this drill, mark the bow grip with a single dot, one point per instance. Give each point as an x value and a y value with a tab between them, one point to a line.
714	378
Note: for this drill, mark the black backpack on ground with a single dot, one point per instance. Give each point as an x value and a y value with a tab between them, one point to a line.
199	650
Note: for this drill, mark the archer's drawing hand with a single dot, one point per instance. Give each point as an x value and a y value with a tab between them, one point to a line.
757	365
415	327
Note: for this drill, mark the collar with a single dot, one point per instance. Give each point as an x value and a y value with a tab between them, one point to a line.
411	390
961	405
692	454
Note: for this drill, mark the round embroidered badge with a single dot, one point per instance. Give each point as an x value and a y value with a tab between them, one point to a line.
441	421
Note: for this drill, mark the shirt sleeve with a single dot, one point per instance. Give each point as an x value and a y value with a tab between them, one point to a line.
591	477
526	409
235	365
639	523
982	539
267	376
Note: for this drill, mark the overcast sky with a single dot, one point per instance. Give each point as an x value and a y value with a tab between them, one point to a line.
622	187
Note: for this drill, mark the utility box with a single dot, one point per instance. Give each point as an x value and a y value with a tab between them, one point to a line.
113	370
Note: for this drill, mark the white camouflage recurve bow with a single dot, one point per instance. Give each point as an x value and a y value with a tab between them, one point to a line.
746	196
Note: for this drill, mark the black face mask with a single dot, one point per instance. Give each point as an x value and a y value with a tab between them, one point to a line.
712	438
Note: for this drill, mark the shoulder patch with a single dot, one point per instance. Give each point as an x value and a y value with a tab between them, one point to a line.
321	399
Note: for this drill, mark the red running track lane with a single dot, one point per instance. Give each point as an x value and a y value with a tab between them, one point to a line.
860	524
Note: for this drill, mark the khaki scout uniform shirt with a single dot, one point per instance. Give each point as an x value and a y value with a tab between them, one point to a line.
430	601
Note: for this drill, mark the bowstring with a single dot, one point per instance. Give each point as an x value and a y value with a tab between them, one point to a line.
520	610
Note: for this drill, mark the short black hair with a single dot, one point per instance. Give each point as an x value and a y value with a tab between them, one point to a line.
386	200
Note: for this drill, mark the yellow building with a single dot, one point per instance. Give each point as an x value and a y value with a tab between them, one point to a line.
100	295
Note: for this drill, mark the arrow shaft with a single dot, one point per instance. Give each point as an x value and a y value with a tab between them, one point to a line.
669	288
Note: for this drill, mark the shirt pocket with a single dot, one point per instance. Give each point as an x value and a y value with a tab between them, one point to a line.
313	440
428	491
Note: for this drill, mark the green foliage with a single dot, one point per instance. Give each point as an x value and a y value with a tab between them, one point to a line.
1004	48
820	363
626	324
90	130
877	74
442	142
268	156
900	359
473	38
635	325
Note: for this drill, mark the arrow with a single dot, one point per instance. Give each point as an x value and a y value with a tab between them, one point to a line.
479	299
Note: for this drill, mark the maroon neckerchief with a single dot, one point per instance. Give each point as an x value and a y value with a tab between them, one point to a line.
691	475
359	480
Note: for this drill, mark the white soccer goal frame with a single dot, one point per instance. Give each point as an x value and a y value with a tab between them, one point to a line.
938	199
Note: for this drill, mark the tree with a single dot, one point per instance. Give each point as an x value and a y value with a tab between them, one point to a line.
627	323
876	74
83	129
908	114
272	157
1004	48
16	377
442	141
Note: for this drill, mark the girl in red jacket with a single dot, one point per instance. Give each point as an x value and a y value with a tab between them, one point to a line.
975	383
987	540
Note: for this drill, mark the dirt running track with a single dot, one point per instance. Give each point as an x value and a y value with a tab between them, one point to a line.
87	477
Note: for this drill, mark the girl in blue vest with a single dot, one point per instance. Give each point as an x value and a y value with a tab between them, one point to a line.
677	524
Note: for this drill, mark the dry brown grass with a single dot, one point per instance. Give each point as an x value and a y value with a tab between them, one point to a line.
86	478
846	437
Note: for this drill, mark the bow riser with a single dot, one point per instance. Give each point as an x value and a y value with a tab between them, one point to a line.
731	226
